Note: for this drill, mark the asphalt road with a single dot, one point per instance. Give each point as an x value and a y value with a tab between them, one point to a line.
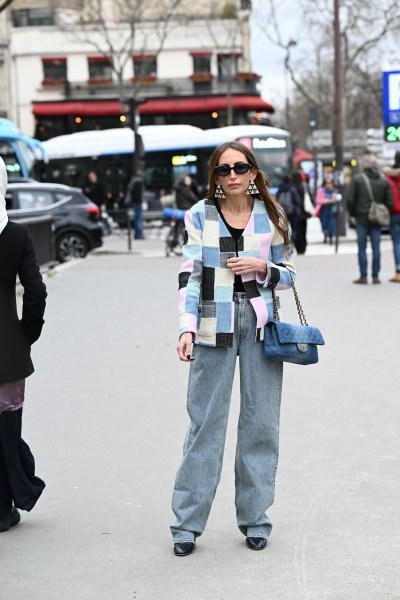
105	417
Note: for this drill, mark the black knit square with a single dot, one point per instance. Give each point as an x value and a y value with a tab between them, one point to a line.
224	340
227	244
183	279
207	287
274	278
251	288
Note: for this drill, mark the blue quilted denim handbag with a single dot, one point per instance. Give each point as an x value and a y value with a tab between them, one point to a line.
290	342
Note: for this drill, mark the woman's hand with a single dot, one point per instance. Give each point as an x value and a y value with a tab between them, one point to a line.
242	265
185	347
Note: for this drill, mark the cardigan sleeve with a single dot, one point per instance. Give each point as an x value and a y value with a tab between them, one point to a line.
279	266
191	271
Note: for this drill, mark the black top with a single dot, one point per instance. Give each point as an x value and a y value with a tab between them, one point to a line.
17	257
236	234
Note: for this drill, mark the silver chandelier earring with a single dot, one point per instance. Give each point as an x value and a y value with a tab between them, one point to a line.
252	189
219	192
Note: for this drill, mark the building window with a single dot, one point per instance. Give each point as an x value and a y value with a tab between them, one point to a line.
201	62
33	17
100	70
227	66
201	76
54	71
144	67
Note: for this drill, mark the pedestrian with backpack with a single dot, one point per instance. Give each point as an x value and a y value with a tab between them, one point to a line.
368	188
393	176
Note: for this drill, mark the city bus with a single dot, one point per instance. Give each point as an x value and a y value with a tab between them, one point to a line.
19	151
170	151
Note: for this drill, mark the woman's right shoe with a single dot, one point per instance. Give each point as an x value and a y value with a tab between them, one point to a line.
256	543
183	548
362	280
13	518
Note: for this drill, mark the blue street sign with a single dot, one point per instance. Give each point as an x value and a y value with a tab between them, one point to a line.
391	98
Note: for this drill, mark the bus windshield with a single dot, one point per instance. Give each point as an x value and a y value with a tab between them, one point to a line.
273	154
18	151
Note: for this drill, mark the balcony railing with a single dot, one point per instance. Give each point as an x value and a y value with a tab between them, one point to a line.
152	87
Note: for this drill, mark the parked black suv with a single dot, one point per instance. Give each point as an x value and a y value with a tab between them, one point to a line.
76	219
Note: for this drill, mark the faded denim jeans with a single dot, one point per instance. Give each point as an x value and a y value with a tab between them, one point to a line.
208	400
374	232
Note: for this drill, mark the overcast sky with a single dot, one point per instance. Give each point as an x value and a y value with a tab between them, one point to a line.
267	59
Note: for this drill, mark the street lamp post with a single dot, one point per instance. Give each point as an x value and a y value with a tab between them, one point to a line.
338	110
291	43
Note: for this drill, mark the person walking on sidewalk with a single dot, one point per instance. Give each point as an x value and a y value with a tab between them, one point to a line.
300	240
393	176
19	487
289	199
365	186
236	252
134	198
326	200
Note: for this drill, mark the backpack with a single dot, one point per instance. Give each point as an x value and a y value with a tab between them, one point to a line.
286	201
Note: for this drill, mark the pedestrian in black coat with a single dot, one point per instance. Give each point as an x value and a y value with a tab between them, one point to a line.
19	487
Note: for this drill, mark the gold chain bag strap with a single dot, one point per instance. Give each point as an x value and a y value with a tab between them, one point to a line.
291	342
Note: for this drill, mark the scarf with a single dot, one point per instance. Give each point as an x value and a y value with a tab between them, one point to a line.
3	187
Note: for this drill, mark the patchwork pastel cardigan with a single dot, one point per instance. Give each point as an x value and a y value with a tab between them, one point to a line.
206	307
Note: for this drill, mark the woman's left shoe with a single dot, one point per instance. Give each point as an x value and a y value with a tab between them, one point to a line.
256	543
183	548
13	518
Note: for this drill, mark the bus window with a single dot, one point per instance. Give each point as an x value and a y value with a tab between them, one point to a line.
11	161
157	174
28	157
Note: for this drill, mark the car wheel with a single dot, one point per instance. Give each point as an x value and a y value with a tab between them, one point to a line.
71	245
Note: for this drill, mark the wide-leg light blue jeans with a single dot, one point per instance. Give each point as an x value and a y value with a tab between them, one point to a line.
208	400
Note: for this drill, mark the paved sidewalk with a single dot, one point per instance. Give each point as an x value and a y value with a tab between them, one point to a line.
105	417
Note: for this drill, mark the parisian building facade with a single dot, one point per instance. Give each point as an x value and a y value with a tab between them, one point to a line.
72	70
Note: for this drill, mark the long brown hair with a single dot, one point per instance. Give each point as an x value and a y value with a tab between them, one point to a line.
262	182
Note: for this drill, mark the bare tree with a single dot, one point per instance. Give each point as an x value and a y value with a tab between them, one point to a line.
227	43
5	5
365	27
120	28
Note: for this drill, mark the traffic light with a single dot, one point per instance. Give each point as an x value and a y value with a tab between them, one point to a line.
313	117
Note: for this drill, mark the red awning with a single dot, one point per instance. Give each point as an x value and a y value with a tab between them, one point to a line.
151	107
81	109
206	104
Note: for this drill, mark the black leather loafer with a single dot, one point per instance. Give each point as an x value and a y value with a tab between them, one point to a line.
183	548
13	518
256	543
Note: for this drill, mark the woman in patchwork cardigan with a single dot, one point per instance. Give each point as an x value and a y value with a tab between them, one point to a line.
237	250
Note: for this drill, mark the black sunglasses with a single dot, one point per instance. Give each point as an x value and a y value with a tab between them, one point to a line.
240	168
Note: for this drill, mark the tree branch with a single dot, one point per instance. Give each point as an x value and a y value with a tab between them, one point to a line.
5	5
